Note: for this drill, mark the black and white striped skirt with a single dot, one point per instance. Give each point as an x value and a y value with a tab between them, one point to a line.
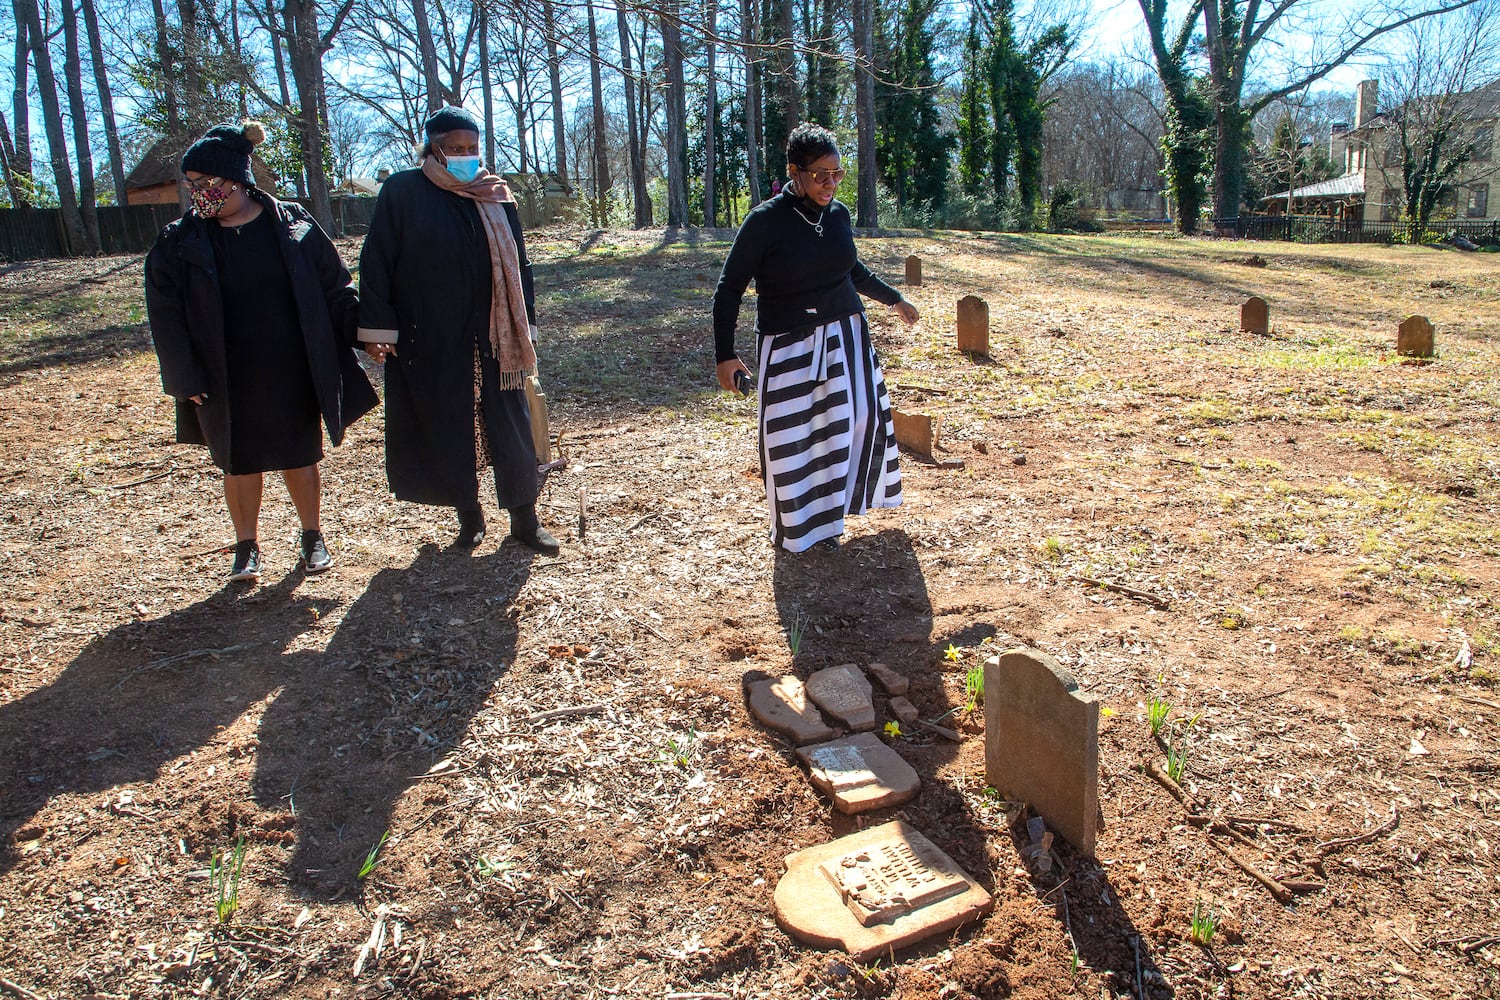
827	444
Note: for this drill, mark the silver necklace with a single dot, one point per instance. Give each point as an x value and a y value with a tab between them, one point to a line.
817	226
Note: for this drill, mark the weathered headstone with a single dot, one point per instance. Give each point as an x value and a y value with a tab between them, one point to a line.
1041	741
1414	337
914	271
875	891
781	703
889	680
904	710
843	693
916	432
1255	316
974	325
860	773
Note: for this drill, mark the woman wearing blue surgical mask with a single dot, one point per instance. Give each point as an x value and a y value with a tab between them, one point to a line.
446	301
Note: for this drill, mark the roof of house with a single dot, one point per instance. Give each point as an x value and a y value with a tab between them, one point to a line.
1478	105
1337	187
160	165
361	185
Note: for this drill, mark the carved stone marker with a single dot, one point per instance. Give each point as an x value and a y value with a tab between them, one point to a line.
860	773
1254	316
781	703
889	680
874	891
843	693
916	432
1041	741
974	325
914	271
1414	337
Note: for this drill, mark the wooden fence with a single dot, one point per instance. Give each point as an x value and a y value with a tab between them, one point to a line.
1321	229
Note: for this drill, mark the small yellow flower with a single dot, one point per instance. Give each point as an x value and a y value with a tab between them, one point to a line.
892	729
951	652
1106	711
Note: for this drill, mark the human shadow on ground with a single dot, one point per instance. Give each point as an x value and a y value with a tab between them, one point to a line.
144	694
413	660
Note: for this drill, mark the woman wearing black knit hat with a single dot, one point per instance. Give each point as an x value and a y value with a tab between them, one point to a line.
828	447
446	295
253	316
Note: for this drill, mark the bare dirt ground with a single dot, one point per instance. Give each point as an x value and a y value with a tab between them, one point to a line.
1318	515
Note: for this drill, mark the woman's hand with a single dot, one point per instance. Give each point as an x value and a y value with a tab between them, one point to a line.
199	399
727	370
380	351
907	312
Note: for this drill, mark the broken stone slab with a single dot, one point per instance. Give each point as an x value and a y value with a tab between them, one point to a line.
874	891
1255	316
904	710
916	432
844	693
1041	741
860	773
889	680
1414	337
781	703
914	271
974	325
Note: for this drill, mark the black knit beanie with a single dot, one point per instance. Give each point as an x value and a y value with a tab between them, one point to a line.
224	151
450	120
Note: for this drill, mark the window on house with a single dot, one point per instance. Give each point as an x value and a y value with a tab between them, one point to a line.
1479	201
1484	142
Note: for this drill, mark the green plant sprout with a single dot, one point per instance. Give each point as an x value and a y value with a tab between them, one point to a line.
224	877
799	627
1156	714
973	686
1176	762
490	867
1204	924
679	754
373	858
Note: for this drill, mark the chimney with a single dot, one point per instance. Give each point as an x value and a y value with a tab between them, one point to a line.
383	174
1365	97
1338	144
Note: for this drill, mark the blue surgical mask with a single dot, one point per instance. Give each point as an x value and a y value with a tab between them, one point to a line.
465	168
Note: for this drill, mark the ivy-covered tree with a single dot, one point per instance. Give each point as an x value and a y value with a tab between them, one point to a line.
910	146
974	128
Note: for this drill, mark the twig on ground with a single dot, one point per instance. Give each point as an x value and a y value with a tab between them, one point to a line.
1280	891
1156	600
1178	792
565	713
1300	885
1329	846
1479	701
189	655
649	628
15	989
1469	944
1135	942
943	731
1197	465
171	468
1277	824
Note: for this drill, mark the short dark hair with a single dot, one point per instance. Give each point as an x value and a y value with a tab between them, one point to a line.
809	142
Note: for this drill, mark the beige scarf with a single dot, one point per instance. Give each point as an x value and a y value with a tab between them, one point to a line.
510	331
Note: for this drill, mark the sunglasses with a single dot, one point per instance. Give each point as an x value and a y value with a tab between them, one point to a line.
202	183
820	176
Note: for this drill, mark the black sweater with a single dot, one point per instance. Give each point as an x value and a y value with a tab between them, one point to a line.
802	280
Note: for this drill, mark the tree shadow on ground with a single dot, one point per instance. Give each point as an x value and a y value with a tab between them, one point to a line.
413	660
144	694
75	348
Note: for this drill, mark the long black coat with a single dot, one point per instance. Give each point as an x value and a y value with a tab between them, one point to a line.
425	284
186	313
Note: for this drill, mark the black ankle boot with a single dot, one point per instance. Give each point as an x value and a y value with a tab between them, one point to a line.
470	528
526	529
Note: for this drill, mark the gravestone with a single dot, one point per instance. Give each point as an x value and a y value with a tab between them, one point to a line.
1041	741
874	891
1255	316
781	703
860	773
974	325
916	432
1414	337
843	693
914	271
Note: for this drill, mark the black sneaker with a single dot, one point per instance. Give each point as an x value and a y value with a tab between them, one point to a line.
526	529
470	529
315	556
246	561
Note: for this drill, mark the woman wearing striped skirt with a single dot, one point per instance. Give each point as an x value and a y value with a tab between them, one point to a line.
828	449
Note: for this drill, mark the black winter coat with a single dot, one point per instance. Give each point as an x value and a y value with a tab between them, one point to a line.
425	283
187	325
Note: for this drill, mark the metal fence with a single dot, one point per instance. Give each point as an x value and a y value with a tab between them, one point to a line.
1321	229
37	233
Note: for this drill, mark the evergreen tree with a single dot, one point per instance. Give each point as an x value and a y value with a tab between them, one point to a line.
973	119
911	148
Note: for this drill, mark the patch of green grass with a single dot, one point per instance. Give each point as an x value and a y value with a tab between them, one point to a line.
1156	714
679	753
1053	548
1204	924
973	686
224	878
1211	412
372	857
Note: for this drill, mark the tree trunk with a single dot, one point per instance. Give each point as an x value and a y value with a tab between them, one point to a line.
675	100
57	143
864	110
18	174
486	89
752	102
427	51
602	182
304	54
73	78
239	58
711	116
166	66
554	79
106	101
638	193
298	183
193	101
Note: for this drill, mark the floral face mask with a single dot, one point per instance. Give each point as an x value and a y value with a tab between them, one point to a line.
207	204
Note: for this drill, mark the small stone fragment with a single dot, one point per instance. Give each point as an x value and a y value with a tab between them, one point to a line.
890	682
781	703
904	710
844	693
